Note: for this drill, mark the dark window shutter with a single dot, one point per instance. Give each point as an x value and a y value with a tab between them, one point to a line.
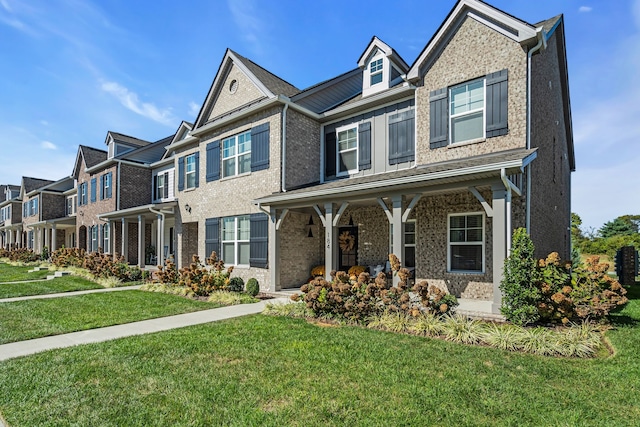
212	236
155	187
181	174
402	137
497	103
102	177
166	185
439	118
364	146
259	240
93	190
213	161
110	174
197	158
260	147
330	154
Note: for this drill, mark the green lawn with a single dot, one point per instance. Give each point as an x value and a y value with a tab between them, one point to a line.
10	273
270	371
24	320
59	284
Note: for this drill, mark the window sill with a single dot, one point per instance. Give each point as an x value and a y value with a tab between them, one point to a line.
470	142
186	190
227	178
463	272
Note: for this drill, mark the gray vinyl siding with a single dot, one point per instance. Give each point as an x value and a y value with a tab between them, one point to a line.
379	135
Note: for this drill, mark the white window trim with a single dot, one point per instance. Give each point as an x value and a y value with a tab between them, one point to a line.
83	193
237	154
236	242
106	182
449	243
406	245
106	243
378	71
158	191
357	147
187	172
466	113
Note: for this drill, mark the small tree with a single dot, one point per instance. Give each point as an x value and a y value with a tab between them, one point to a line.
520	295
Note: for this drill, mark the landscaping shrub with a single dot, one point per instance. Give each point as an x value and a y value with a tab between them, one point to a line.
168	274
520	295
356	270
231	298
100	265
205	279
253	288
236	284
68	257
19	255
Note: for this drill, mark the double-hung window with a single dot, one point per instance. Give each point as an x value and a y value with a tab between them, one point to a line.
34	207
236	233
190	171
467	111
83	194
466	242
161	189
105	238
236	154
347	158
94	238
106	186
375	71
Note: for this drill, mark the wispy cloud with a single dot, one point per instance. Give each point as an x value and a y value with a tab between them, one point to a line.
131	101
5	5
194	109
585	9
48	145
248	19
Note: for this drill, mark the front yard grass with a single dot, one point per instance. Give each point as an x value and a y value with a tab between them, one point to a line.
11	273
53	286
23	320
274	371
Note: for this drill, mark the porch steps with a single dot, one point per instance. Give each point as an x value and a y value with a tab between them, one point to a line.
58	274
38	269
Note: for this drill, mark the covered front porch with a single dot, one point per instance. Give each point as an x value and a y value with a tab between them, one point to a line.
52	234
455	220
12	236
144	234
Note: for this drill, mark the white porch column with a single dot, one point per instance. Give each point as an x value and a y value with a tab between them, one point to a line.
141	225
47	243
160	240
112	238
125	237
499	242
10	238
398	232
330	238
274	251
54	243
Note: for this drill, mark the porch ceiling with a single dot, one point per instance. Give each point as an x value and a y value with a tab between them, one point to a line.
434	178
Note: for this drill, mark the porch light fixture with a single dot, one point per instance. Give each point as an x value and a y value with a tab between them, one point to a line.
187	208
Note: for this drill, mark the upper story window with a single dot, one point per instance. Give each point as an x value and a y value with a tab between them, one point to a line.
375	71
236	235
5	213
190	171
347	158
161	186
82	198
236	154
105	188
466	243
71	205
467	111
33	207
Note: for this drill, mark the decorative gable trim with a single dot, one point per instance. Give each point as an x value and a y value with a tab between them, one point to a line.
517	30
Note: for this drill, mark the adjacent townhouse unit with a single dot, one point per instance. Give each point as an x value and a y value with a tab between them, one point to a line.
10	217
45	215
437	161
116	213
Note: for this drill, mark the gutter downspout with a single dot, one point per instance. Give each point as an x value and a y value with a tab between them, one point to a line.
160	243
284	145
541	41
119	186
507	186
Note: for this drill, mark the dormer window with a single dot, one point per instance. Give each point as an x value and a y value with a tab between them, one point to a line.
375	71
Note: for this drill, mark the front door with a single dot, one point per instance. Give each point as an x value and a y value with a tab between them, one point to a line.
347	247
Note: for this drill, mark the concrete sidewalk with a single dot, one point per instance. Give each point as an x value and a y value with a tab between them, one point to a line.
24	348
71	293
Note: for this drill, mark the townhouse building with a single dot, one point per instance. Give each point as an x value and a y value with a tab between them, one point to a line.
10	217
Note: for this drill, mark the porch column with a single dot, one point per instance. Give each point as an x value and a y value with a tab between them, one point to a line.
10	239
274	251
125	237
160	241
47	243
54	242
398	232
141	225
499	242
112	238
330	237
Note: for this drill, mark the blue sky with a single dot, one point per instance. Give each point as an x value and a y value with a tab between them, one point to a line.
74	69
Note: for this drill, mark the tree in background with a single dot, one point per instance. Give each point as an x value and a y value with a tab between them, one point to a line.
621	226
619	232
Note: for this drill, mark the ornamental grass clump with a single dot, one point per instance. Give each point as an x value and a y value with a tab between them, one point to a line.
427	324
231	298
462	330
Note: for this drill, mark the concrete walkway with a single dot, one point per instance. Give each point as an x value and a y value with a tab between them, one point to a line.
71	293
24	348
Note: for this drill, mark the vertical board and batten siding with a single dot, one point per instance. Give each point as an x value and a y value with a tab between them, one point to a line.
386	139
259	240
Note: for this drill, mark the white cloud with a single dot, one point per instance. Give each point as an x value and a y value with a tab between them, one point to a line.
5	5
48	145
44	123
248	19
585	9
194	109
131	101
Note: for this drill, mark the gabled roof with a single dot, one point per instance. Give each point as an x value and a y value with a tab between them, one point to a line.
150	153
268	83
508	25
91	157
125	139
59	186
377	44
330	93
29	184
